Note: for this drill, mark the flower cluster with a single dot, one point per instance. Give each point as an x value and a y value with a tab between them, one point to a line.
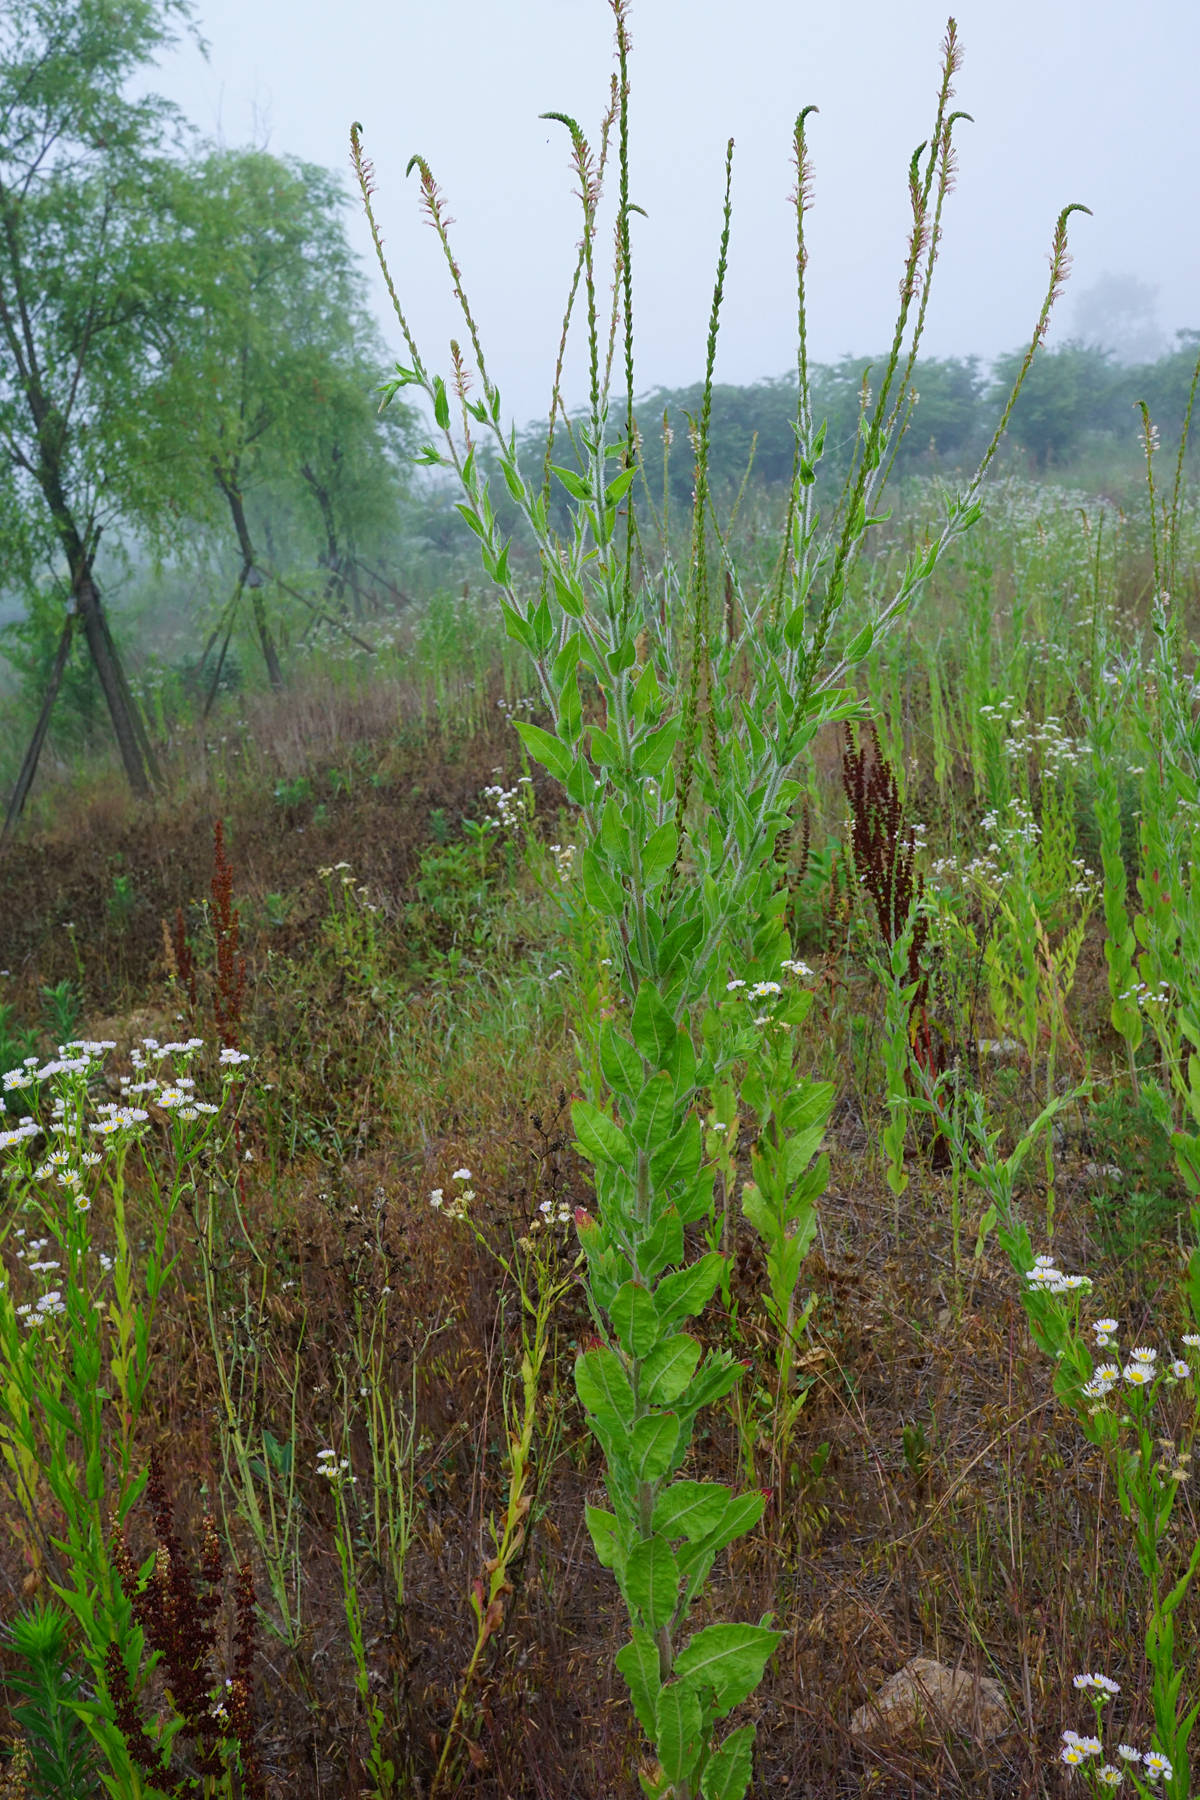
551	1214
1144	995
511	804
564	860
1141	1369
1046	1277
1078	1750
456	1206
334	1468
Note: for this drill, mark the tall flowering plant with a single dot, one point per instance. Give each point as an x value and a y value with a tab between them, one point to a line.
76	1318
683	772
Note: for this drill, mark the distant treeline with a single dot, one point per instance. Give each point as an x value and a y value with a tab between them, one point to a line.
1077	398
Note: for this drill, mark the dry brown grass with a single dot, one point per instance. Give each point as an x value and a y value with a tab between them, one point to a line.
986	1540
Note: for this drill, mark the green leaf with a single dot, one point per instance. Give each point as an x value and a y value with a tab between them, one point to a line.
518	627
513	480
652	1581
545	749
567	660
603	1386
688	1291
728	1660
654	1115
668	1368
663	1244
697	1200
652	1445
575	484
570	709
679	943
691	1509
606	1535
652	755
728	1771
621	1065
583	786
677	1719
678	1159
635	1318
606	752
638	1663
601	888
720	1374
646	700
569	596
658	854
441	403
742	1513
654	1030
620	486
544	628
600	1139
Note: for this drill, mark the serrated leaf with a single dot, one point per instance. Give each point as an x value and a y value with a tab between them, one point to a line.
652	1445
652	1581
602	1385
601	888
646	700
659	854
652	755
553	755
729	1768
688	1291
668	1369
635	1319
662	1247
677	1718
727	1660
691	1509
654	1030
606	1535
622	1067
600	1138
654	1114
638	1663
678	1159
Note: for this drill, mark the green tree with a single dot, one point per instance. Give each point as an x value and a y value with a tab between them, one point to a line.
264	392
1069	393
86	260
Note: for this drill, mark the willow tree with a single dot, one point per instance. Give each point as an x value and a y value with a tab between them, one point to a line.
264	390
87	259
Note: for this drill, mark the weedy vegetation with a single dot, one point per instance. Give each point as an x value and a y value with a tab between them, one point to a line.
573	1210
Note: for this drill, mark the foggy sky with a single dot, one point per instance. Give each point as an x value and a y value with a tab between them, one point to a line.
1073	100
